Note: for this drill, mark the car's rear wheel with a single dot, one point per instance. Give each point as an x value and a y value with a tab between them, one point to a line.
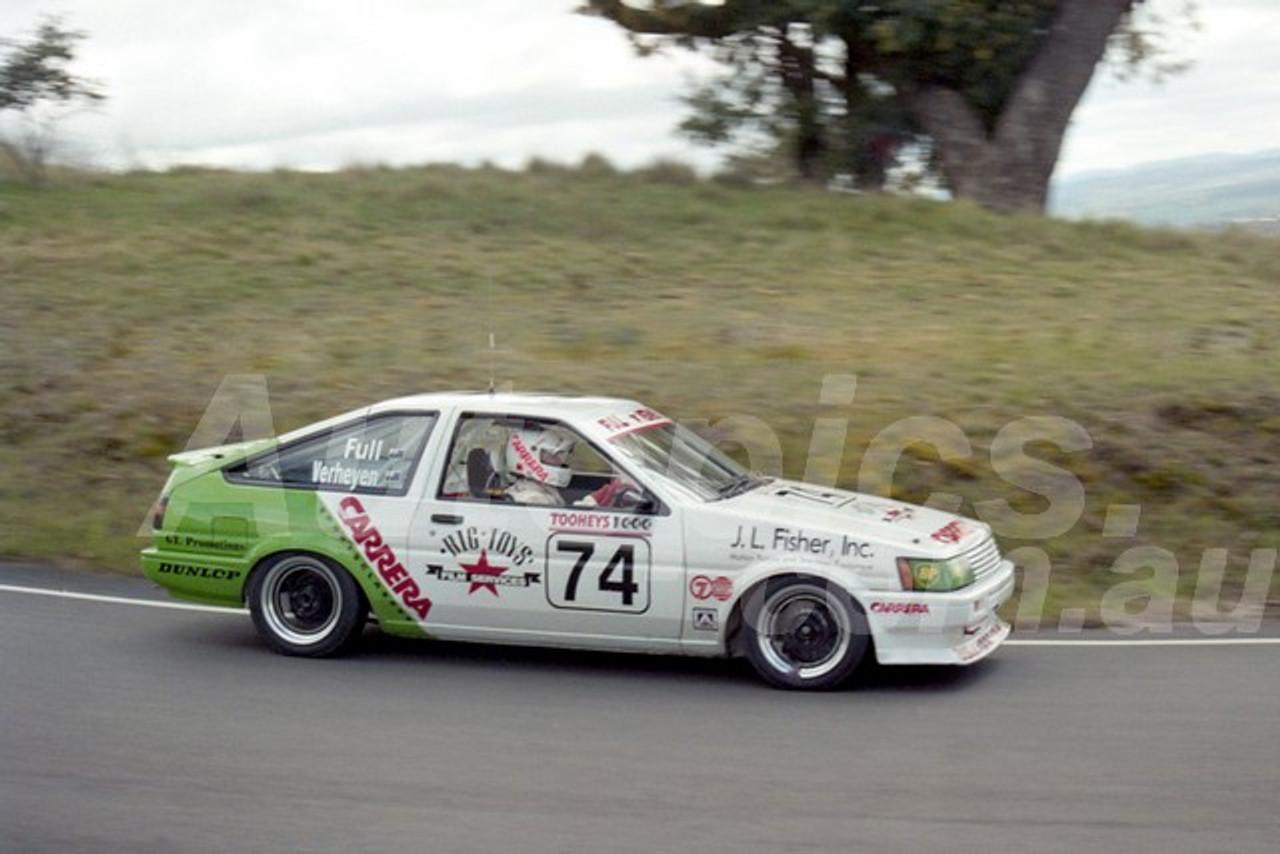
804	633
306	605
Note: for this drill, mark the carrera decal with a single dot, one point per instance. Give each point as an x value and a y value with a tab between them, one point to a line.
950	533
528	459
899	608
354	559
379	555
603	573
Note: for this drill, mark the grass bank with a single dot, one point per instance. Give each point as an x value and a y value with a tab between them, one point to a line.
1107	396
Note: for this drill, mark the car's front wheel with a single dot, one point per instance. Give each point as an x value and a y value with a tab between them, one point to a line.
804	633
305	605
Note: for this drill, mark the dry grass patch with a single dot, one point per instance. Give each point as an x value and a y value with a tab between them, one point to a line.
125	300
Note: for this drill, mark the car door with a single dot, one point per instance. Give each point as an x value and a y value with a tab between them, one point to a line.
501	567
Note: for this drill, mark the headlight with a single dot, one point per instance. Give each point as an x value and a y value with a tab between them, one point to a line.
934	576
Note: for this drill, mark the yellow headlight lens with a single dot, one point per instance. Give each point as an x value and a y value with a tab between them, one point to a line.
935	576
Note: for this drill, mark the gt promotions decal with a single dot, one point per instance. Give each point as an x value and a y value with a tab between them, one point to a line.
382	557
604	573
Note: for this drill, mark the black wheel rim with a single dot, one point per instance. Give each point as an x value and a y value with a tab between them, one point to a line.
301	600
807	633
803	633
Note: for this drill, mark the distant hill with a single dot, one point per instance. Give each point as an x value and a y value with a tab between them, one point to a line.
1210	191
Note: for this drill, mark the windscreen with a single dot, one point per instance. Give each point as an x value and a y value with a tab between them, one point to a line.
682	456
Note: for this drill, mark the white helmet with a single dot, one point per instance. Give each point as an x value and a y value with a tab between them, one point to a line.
541	455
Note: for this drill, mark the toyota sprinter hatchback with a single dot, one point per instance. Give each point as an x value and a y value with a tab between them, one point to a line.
582	522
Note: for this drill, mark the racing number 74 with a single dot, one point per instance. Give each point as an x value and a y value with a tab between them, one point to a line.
618	575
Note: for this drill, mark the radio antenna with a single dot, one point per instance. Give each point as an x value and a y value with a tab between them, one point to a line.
493	383
493	337
490	287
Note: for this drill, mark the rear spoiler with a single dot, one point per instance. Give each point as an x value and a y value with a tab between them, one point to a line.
201	456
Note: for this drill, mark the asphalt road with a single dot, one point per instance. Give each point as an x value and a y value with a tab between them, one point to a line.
126	728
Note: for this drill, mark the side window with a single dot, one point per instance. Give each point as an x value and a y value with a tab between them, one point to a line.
536	462
374	456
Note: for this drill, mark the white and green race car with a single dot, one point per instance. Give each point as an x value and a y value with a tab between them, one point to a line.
592	523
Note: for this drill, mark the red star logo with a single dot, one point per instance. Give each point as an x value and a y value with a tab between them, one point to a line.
484	569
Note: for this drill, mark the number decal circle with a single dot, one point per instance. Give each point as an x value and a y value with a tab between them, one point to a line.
702	588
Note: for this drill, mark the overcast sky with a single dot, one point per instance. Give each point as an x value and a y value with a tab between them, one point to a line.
326	84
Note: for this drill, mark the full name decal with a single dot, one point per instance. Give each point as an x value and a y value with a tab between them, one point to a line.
363	465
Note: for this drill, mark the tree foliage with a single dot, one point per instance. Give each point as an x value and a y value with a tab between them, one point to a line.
37	85
845	84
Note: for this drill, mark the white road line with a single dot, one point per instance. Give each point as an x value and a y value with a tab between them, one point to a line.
118	600
1083	642
1014	641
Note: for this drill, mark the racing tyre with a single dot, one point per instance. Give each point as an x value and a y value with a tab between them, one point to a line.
804	633
306	605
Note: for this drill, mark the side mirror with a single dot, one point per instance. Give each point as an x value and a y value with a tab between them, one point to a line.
646	505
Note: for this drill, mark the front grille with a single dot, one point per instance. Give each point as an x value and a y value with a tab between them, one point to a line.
984	558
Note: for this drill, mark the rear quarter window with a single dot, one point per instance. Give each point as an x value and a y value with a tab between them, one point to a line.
374	456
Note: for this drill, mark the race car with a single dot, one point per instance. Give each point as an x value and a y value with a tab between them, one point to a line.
560	521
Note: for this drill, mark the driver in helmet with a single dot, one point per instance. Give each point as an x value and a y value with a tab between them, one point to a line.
537	464
537	468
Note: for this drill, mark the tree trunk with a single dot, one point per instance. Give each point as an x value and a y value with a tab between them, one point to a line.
796	66
1008	167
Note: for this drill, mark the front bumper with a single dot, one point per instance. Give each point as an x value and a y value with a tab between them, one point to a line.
960	627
